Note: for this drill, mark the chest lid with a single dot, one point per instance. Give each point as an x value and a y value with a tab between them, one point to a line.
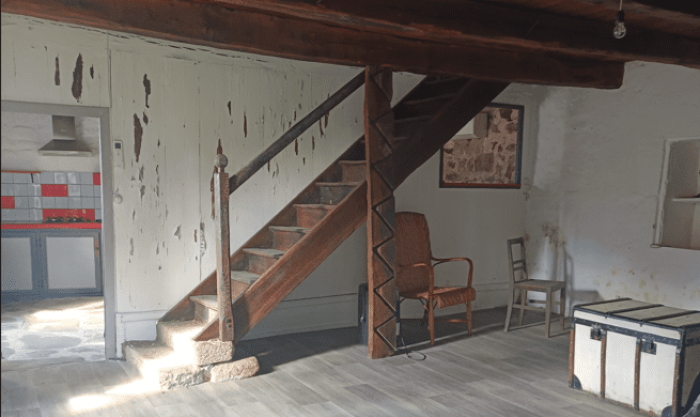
642	312
615	306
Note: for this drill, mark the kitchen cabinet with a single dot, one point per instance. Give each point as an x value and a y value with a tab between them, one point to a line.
49	263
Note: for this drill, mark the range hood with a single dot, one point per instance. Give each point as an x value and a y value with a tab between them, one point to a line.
65	142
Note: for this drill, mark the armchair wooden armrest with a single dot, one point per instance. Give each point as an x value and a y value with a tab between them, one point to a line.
439	261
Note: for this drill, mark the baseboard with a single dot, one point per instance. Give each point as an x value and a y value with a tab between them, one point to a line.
136	326
307	315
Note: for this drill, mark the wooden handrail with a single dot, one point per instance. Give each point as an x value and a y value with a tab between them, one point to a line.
289	136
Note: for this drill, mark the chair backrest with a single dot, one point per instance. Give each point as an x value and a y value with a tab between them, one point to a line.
412	246
518	264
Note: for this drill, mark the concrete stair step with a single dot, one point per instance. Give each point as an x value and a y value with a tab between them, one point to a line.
284	237
179	335
308	215
160	366
334	192
261	259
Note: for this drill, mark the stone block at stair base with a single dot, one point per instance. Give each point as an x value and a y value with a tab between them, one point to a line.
212	351
239	369
181	376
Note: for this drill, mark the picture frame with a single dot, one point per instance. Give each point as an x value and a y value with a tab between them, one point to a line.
491	161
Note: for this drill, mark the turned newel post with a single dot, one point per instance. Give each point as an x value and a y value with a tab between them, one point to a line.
223	249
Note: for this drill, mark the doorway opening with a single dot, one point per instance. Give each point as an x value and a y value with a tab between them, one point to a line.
57	233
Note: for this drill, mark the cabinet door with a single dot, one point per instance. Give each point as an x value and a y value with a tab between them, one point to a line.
71	262
16	263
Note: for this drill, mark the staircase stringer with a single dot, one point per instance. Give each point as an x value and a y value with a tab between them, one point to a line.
299	262
184	309
430	138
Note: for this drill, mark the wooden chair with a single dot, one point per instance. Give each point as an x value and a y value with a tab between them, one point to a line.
524	284
415	277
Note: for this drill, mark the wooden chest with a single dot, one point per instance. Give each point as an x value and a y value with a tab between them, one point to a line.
643	355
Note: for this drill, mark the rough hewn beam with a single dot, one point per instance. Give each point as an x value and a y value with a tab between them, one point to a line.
468	22
381	214
674	9
295	38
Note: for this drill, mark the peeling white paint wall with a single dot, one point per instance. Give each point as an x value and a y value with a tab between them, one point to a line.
593	202
181	100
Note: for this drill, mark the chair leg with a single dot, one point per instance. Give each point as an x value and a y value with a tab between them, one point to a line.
523	302
562	306
548	313
424	320
509	314
431	322
469	319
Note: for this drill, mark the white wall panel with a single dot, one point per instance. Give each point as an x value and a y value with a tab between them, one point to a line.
29	51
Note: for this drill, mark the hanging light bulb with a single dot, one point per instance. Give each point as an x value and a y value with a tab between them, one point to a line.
620	30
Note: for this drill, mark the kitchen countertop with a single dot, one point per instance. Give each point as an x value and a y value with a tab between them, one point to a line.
64	225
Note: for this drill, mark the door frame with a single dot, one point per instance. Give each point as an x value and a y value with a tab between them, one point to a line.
108	261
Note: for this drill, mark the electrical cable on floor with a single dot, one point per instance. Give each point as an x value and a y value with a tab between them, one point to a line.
409	352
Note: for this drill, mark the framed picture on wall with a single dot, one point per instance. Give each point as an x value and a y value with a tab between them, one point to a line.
487	153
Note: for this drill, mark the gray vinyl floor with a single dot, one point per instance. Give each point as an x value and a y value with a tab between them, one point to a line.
492	373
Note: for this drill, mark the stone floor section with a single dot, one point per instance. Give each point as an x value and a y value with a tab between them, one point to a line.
54	328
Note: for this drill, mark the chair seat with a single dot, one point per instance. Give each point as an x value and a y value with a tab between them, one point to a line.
445	296
539	285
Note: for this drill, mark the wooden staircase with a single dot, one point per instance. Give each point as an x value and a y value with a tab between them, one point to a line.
300	237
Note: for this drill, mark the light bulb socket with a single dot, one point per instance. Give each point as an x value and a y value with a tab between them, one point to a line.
619	31
620	17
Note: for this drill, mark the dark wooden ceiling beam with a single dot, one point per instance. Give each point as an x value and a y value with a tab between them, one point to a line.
295	38
491	25
677	17
673	9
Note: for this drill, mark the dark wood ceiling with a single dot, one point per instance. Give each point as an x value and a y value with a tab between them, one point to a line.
560	42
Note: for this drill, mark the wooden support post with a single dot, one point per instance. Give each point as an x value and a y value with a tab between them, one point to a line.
378	122
223	250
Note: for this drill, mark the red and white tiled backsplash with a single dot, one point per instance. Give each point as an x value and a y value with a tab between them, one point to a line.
35	196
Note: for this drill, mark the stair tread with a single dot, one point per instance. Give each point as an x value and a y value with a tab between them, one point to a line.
189	327
156	353
264	252
338	184
316	205
289	229
244	276
353	162
420	118
432	81
208	301
429	99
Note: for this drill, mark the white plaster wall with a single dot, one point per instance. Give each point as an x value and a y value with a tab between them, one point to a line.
474	222
593	201
24	133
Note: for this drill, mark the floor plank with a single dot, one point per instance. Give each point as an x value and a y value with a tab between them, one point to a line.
493	373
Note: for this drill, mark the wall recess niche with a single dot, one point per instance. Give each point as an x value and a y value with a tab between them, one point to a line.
678	217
